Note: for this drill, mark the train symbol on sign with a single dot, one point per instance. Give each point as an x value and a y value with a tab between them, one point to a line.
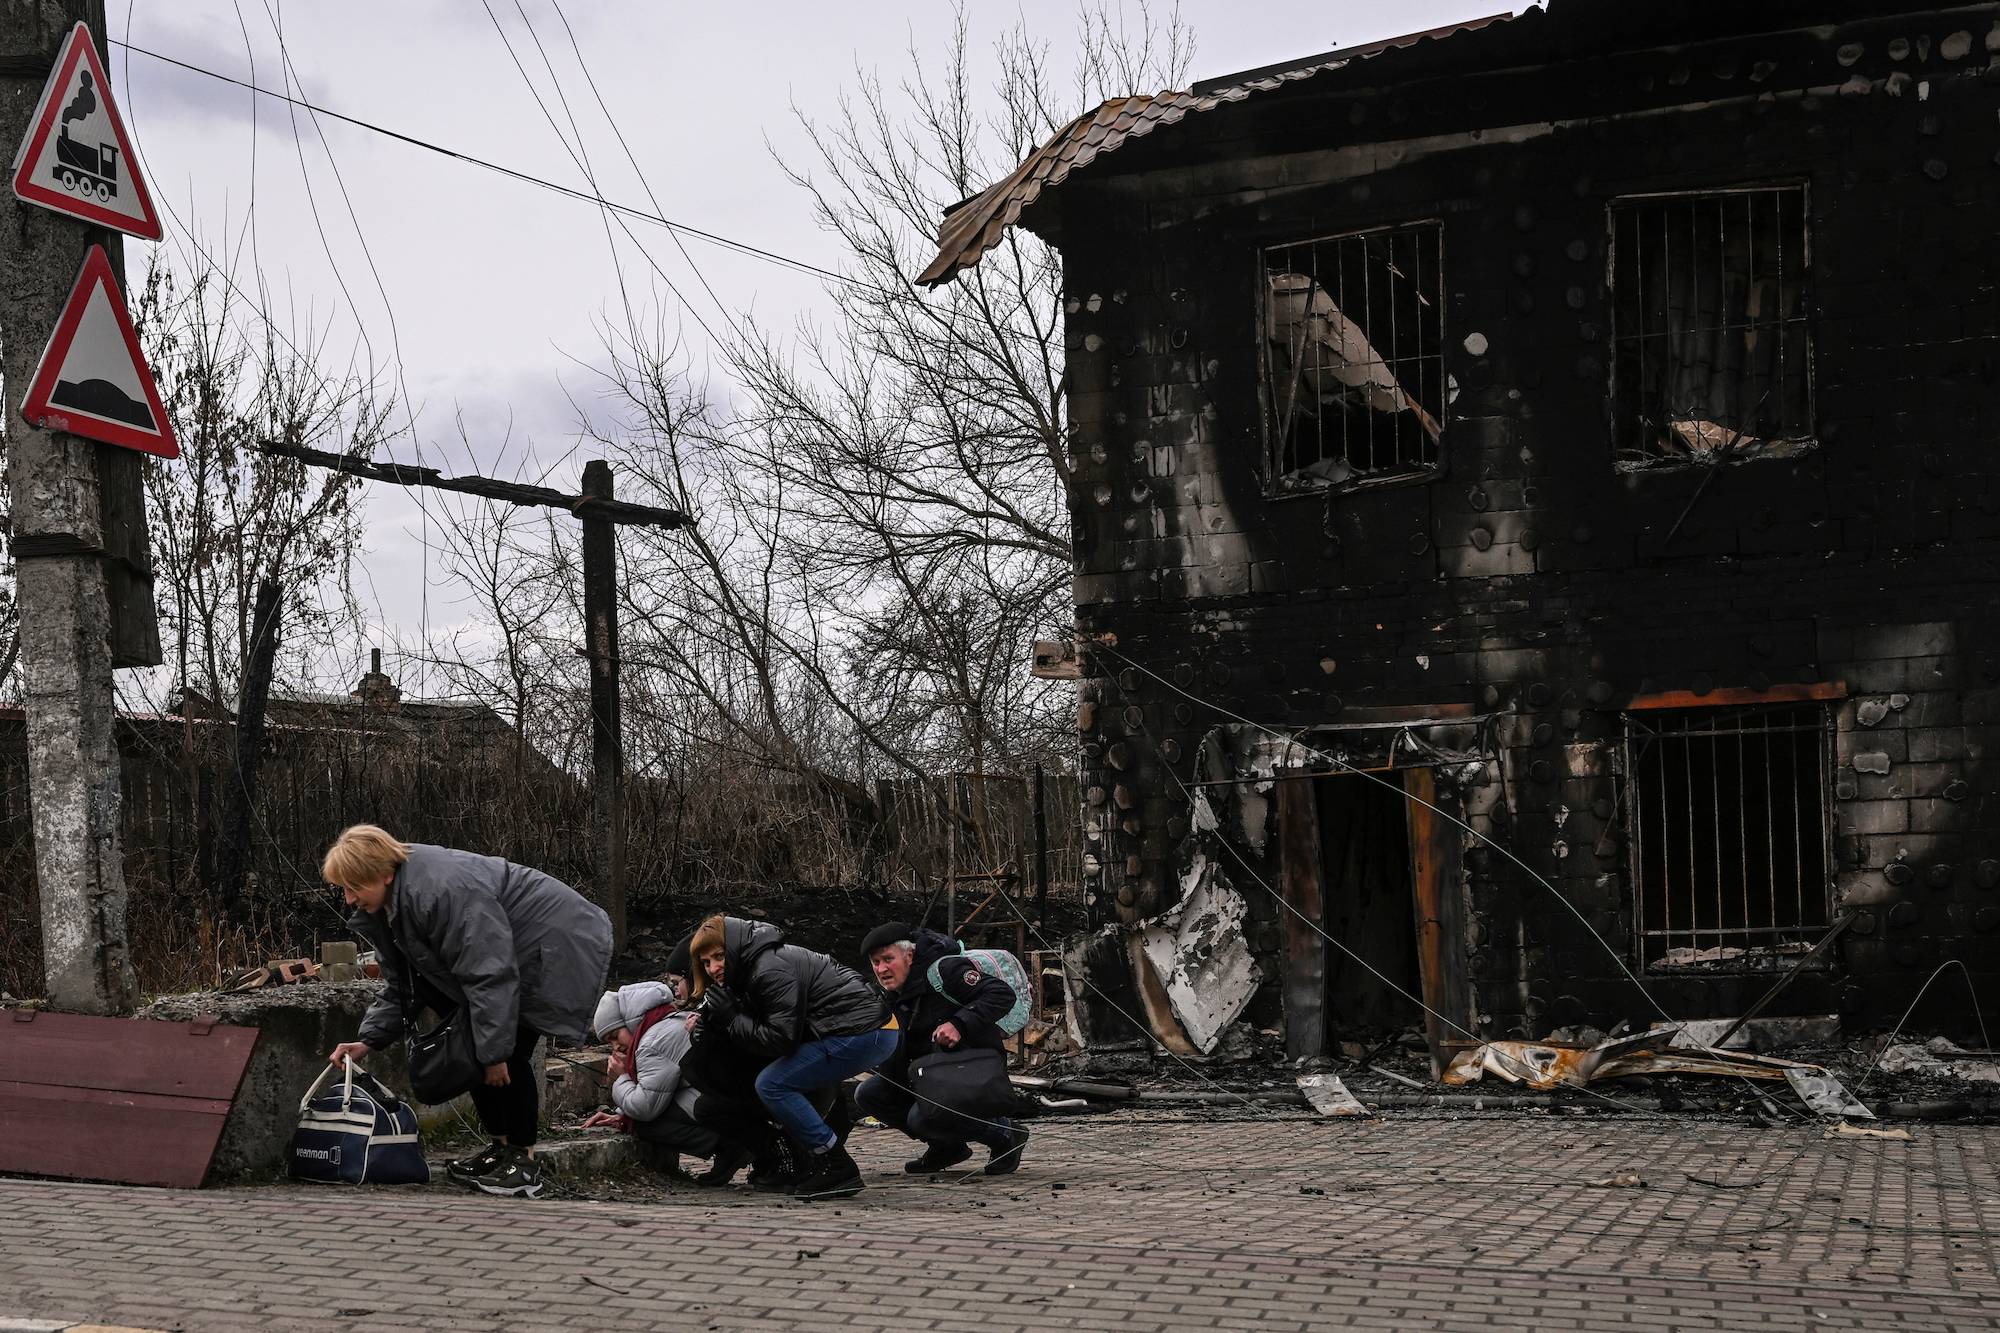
82	169
77	158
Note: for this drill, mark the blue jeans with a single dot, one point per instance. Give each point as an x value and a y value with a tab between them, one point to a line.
783	1084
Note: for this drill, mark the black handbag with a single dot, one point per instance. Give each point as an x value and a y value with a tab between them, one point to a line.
971	1081
443	1063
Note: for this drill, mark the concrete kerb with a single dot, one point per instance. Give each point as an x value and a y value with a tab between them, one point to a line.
298	1025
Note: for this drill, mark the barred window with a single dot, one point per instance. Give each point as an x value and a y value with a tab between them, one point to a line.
1354	384
1729	810
1711	347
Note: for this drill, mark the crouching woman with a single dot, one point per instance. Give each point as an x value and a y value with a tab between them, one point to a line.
514	953
817	1020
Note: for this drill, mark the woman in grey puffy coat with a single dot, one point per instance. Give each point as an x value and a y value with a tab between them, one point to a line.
517	954
651	1032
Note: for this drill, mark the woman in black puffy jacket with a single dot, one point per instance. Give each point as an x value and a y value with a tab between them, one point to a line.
818	1021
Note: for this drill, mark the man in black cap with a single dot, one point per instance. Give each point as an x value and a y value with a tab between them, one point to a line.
959	1012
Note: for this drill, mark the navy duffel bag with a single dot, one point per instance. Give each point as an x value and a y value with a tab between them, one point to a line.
357	1133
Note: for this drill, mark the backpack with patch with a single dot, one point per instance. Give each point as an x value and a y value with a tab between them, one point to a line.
994	963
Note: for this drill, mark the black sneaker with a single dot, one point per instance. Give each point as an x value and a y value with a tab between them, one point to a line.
517	1173
1004	1160
465	1168
833	1176
937	1157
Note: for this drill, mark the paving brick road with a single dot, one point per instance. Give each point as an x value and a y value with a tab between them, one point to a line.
1119	1222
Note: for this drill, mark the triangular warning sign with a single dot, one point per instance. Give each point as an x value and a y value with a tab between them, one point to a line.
77	158
93	379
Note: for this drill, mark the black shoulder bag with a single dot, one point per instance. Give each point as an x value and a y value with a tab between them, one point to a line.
443	1063
971	1081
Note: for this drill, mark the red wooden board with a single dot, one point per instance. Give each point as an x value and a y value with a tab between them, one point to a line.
118	1099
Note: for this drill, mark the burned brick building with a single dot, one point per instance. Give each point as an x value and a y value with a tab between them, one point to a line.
1538	522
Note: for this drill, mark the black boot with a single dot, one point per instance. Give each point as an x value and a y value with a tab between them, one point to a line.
1004	1160
937	1157
772	1171
729	1159
833	1175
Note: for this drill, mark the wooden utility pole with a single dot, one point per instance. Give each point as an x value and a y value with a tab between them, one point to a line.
607	750
601	513
75	507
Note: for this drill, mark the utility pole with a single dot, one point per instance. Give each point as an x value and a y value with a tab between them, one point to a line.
64	530
607	751
601	513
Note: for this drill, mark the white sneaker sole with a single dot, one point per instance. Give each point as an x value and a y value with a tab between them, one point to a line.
509	1191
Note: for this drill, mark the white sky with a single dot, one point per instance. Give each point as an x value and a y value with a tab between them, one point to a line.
497	287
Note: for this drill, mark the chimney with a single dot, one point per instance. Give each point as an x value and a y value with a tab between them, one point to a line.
376	690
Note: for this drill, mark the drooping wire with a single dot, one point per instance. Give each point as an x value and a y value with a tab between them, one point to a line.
1343	765
275	12
742	247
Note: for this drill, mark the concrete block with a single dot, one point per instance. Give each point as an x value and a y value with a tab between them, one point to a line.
298	1026
339	951
1869	817
1936	638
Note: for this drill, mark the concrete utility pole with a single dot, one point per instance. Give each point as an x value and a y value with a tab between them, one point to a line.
59	548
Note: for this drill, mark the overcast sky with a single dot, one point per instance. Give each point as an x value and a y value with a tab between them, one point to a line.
497	287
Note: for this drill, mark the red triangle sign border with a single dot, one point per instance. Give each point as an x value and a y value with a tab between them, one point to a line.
80	46
38	411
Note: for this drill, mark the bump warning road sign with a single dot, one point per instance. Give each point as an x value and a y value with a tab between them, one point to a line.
93	379
77	158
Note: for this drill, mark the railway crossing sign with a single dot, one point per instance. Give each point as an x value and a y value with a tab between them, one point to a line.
93	380
77	158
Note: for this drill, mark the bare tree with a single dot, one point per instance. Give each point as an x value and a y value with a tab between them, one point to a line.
225	516
922	445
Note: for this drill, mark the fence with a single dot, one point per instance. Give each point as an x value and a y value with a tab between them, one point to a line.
719	832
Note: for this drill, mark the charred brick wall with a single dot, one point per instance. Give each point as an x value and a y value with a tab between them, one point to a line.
1529	577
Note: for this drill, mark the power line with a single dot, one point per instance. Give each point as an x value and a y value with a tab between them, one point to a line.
742	247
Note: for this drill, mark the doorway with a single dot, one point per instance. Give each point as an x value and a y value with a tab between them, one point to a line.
1376	865
1368	906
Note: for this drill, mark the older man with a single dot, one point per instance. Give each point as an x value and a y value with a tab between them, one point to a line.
961	1012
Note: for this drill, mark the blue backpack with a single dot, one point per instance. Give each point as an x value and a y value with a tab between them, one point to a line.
358	1133
994	963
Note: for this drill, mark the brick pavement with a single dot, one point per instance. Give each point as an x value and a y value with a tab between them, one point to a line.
1127	1222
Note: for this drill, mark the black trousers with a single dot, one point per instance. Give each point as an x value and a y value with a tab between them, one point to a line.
679	1131
514	1112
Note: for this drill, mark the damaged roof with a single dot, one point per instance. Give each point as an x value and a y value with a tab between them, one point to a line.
976	226
1566	30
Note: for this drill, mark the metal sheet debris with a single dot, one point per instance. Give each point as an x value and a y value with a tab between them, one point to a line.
1545	1065
1329	1096
1758	1034
1825	1094
1202	956
1942	1057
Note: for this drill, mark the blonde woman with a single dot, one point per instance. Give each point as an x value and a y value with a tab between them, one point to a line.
516	954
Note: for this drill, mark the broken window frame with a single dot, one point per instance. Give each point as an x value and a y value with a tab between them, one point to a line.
1773	942
1635	447
1428	419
